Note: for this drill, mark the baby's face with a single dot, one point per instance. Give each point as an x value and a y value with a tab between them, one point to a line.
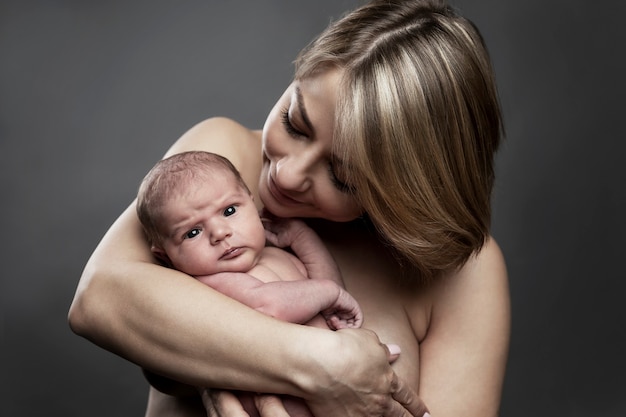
213	228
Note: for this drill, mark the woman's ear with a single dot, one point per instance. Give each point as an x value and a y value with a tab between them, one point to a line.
160	255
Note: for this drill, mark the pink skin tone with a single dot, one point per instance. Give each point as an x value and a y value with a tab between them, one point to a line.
200	238
213	232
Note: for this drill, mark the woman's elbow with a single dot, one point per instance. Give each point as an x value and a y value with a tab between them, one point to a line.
76	315
83	305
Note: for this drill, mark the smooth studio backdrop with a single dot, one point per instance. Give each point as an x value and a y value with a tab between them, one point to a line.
92	93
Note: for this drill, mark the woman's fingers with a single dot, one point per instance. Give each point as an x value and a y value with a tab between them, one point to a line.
393	352
270	406
218	403
406	399
361	381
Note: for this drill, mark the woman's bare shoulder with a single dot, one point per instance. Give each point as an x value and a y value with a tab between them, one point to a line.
463	356
453	299
222	136
484	273
488	260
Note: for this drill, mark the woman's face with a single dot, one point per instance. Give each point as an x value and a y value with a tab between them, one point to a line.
300	178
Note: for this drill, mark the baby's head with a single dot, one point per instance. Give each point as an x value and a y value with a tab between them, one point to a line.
172	177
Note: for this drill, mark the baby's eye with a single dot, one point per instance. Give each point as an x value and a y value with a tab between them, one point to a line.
229	211
192	233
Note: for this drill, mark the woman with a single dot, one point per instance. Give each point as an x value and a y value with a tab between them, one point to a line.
388	133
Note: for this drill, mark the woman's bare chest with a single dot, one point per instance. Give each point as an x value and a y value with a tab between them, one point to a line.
392	308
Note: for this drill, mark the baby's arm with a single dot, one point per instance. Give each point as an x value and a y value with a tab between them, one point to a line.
294	301
306	244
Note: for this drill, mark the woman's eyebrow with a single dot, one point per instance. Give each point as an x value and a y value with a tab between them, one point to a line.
303	114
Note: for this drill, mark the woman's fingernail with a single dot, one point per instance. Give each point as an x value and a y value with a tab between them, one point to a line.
395	350
426	414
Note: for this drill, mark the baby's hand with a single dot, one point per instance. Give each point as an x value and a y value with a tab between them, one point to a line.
345	313
282	232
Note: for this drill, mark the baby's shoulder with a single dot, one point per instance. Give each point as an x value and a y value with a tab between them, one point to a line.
286	265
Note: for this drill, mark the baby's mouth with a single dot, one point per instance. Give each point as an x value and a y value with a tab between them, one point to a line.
231	253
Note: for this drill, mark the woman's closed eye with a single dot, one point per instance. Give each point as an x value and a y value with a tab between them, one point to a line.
340	185
289	127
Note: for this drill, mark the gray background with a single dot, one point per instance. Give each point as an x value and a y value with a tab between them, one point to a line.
93	92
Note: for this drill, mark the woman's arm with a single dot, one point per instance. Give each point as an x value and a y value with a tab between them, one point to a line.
174	325
161	319
463	357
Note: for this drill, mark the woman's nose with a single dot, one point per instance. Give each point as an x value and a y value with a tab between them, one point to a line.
292	174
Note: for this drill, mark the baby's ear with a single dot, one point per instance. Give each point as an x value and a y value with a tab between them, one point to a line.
161	256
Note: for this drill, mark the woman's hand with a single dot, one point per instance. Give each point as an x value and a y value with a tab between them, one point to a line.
405	401
221	403
270	405
356	380
362	382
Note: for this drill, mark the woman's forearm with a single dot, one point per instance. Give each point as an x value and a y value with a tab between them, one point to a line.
180	328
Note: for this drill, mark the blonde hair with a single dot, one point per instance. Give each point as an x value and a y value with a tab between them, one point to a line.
416	126
169	177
